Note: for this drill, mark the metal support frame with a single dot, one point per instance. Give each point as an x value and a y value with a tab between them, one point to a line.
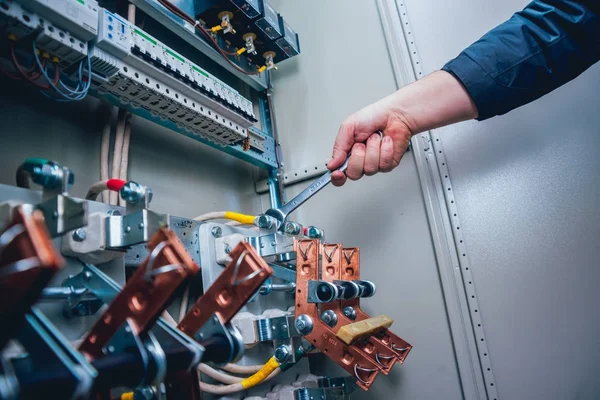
468	338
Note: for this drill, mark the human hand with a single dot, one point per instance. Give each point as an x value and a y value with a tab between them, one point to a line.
377	154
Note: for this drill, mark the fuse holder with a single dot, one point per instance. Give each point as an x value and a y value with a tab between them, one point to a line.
358	330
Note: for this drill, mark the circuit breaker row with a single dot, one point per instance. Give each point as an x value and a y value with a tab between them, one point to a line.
173	87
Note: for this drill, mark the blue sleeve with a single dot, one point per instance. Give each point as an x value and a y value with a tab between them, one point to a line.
539	49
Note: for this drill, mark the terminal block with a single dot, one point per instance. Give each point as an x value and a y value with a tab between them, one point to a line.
379	353
309	323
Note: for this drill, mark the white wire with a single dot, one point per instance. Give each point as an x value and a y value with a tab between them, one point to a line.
104	150
125	154
117	150
218	375
233	388
210	215
241	369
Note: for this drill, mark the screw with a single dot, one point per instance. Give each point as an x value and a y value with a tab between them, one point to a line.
292	228
128	229
216	231
314	232
282	353
55	214
87	275
81	309
273	243
141	225
132	192
227	249
79	235
349	313
264	222
114	213
329	317
304	324
111	349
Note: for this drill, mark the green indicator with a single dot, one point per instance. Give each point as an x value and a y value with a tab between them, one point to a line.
175	55
142	34
81	1
200	71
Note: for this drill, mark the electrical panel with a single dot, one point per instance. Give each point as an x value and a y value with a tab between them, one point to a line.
255	23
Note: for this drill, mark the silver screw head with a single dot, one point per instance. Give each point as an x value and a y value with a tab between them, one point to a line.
216	231
79	235
349	313
303	324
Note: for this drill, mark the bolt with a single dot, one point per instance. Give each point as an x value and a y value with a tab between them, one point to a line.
114	213
111	349
141	225
216	231
81	309
55	214
292	228
227	249
349	313
79	235
314	232
264	222
87	275
304	324
127	229
132	192
329	317
273	243
282	353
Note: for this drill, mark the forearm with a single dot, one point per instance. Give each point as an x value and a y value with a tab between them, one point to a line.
437	100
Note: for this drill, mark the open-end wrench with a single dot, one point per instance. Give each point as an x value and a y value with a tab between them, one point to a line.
280	214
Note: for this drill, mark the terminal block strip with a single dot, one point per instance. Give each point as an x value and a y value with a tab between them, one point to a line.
378	352
351	271
349	357
146	294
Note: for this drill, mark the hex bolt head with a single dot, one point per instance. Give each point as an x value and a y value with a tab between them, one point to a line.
292	228
264	222
79	235
282	353
216	231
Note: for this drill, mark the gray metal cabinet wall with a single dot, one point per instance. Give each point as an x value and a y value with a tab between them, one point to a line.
344	66
526	189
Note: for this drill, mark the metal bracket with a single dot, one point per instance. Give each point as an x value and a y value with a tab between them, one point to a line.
63	214
271	244
266	329
48	348
131	229
293	177
257	139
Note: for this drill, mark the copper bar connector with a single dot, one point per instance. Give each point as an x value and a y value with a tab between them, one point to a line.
146	294
230	291
351	271
28	260
350	358
379	353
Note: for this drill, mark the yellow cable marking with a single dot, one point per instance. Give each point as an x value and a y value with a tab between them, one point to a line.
241	218
261	375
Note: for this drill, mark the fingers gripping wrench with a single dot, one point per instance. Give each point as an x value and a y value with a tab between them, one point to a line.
280	214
